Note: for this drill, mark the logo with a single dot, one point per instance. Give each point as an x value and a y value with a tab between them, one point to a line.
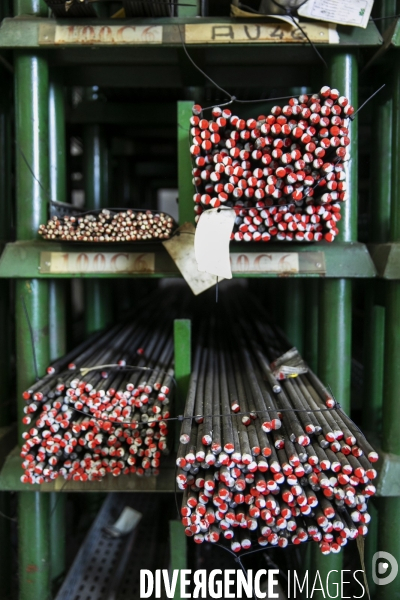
387	566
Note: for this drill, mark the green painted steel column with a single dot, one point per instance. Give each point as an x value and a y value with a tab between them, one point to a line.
310	320
191	10
185	186
5	236
375	311
97	292
294	313
31	127
178	552
334	338
57	302
30	7
389	518
379	233
183	361
5	324
182	366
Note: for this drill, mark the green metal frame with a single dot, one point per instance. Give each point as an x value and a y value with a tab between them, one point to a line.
326	342
347	259
334	336
32	118
7	431
95	151
57	302
178	551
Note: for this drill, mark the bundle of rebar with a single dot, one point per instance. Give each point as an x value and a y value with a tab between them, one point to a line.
149	8
264	461
109	225
283	173
74	8
101	408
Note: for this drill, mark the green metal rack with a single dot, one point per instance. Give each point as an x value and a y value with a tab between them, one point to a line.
42	46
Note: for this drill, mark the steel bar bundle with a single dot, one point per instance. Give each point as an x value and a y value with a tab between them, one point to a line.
109	225
102	408
267	462
283	173
76	8
149	8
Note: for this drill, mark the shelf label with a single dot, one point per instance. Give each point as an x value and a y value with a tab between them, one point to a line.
235	33
118	35
265	262
96	262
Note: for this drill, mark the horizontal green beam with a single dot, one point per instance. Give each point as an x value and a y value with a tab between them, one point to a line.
386	258
342	259
10	480
36	32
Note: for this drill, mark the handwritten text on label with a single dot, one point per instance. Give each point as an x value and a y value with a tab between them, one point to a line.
97	262
255	33
108	34
265	262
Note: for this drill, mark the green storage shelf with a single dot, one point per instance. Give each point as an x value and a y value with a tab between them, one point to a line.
33	32
32	259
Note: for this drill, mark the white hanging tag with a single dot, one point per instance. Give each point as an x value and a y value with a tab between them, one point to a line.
211	242
355	13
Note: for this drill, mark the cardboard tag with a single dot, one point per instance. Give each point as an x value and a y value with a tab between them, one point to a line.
211	242
181	249
345	12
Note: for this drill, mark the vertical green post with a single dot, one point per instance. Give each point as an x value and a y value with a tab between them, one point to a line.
294	313
389	518
5	236
97	292
31	125
310	316
183	361
375	311
190	11
5	325
334	341
178	551
57	302
379	233
186	189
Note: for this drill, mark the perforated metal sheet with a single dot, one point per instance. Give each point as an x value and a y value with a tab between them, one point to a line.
108	569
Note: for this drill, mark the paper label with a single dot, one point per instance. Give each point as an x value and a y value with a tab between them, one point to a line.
97	262
181	249
118	35
257	33
211	242
265	262
344	12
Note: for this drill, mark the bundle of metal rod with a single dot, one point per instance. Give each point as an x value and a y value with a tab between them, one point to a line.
102	408
283	173
263	462
149	8
76	8
109	226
